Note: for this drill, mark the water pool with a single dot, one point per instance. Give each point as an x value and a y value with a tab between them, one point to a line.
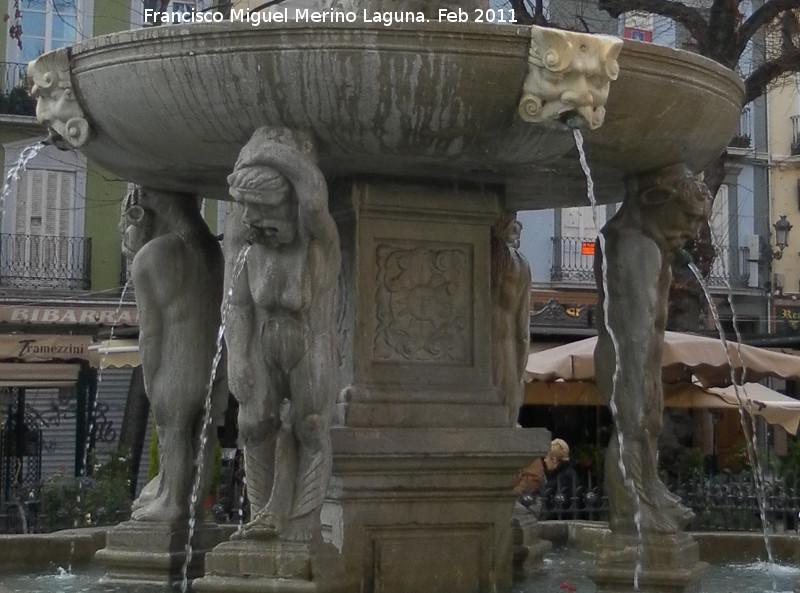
561	571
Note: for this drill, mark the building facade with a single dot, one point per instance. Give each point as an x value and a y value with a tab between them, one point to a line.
63	282
560	244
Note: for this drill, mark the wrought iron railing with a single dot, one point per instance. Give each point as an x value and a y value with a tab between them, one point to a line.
728	502
720	502
42	261
573	260
795	135
743	137
15	97
731	265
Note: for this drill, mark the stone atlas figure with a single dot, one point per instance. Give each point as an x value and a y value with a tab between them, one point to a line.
661	211
511	285
281	335
178	273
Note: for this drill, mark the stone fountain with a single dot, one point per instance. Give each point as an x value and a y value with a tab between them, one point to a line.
422	137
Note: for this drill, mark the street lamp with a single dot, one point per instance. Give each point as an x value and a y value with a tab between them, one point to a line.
782	228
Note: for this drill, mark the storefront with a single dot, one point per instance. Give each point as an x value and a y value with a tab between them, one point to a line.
54	391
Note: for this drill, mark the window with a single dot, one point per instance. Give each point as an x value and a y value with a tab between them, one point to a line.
49	25
43	223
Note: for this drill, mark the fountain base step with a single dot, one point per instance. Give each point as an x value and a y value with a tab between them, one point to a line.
668	563
529	548
274	566
153	554
427	509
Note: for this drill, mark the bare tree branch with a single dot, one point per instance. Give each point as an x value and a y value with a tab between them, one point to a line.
789	28
538	14
691	18
760	18
521	12
756	84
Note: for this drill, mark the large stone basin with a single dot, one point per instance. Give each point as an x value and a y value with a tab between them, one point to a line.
170	107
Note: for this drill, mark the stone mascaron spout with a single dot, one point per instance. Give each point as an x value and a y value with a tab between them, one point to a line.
569	77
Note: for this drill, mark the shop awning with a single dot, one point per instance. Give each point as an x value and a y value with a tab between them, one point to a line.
29	375
116	353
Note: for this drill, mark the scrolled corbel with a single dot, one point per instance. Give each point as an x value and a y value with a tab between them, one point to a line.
56	106
569	77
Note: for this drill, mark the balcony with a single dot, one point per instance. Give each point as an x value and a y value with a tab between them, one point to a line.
15	99
743	137
49	262
573	262
731	265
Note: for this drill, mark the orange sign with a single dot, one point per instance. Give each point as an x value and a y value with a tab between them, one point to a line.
587	247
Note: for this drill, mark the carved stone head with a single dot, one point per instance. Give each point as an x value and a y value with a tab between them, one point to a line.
569	76
148	212
269	206
136	224
673	203
508	229
56	105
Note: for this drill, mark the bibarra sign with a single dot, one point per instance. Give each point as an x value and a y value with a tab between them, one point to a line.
125	315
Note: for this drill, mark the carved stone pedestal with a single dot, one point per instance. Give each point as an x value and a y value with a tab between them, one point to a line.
426	510
424	452
528	546
669	564
153	554
274	566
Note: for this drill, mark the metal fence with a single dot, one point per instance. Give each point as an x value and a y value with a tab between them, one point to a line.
722	502
41	261
743	137
573	261
730	265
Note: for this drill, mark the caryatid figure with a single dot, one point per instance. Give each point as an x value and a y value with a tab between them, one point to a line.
282	339
661	212
178	272
511	289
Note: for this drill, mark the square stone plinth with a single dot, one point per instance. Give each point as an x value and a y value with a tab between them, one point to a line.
274	566
427	510
666	564
153	554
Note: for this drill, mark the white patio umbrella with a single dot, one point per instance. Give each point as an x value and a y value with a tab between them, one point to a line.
695	371
684	355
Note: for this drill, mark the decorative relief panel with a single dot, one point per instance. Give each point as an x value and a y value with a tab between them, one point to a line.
423	302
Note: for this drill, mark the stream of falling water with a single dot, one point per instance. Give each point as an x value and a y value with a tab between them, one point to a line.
238	266
92	417
27	155
242	500
612	404
742	404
